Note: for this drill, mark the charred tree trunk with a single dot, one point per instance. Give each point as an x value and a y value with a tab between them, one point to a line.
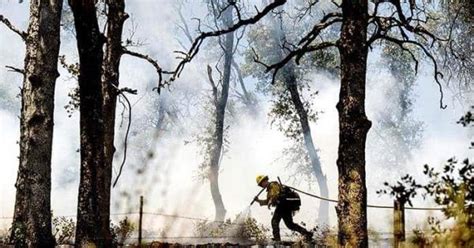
353	126
228	46
32	216
93	225
290	80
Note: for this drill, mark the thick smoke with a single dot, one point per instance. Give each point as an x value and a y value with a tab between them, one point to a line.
163	162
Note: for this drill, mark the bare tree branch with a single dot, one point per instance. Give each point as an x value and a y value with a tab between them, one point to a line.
13	28
437	74
297	54
307	10
191	53
305	45
14	69
153	62
383	25
125	144
240	78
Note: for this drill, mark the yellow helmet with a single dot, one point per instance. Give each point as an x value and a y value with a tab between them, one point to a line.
261	178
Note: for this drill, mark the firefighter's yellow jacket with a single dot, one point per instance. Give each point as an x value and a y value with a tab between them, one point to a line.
273	192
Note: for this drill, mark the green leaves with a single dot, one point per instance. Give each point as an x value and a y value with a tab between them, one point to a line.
467	119
452	188
123	230
403	190
63	230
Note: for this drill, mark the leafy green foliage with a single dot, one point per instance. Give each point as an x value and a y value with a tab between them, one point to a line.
251	229
283	114
453	189
18	231
323	61
206	139
284	117
123	230
74	96
467	119
403	190
73	69
64	230
398	132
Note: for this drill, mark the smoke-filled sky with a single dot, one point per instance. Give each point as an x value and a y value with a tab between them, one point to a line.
169	180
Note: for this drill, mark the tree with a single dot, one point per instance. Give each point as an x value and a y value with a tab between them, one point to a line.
455	18
398	132
114	50
218	106
353	126
98	90
353	44
452	188
220	98
93	225
31	225
290	111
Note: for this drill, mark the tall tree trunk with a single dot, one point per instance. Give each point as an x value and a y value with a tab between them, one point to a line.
116	16
220	116
93	225
323	214
353	126
32	217
289	76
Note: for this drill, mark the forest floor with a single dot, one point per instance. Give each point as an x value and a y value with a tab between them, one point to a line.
281	244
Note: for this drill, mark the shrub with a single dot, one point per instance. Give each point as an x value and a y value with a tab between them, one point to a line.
63	230
122	231
452	188
245	228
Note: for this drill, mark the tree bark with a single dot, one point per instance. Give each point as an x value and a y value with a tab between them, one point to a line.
32	216
353	126
290	80
220	116
93	225
116	17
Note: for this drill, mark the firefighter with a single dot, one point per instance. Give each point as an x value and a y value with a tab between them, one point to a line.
282	210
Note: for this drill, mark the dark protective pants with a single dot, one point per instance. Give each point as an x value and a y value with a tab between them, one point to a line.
283	213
